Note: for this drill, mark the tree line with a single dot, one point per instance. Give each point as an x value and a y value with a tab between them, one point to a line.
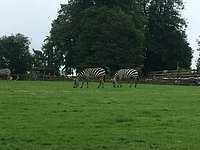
144	34
198	60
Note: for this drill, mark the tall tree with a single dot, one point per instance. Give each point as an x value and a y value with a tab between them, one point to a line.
58	46
97	33
198	60
14	53
38	59
111	39
166	43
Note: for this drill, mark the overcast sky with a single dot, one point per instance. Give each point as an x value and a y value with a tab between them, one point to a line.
33	19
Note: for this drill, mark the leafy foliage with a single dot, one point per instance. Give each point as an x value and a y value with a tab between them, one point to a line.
97	33
38	59
109	40
112	34
119	34
166	44
198	61
14	53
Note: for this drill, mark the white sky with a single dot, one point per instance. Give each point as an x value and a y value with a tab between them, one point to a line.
33	19
192	15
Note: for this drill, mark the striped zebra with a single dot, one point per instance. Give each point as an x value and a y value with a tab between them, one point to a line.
125	74
6	72
96	73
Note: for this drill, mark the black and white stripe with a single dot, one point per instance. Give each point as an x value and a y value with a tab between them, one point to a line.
5	72
95	73
125	74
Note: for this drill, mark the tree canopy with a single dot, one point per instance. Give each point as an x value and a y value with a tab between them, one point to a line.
166	42
114	34
198	60
97	33
119	34
14	53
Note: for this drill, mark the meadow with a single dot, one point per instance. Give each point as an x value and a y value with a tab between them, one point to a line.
48	115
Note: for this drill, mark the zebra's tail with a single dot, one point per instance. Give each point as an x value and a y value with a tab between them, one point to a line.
107	69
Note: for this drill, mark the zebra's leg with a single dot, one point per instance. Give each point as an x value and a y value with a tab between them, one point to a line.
100	82
8	77
117	84
120	83
114	81
82	83
135	82
87	83
131	84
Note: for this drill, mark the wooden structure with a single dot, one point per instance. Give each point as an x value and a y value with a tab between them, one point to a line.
43	73
178	77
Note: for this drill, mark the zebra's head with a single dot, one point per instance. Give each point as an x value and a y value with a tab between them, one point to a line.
114	82
76	83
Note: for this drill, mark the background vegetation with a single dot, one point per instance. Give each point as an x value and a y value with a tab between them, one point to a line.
53	115
198	61
148	34
15	54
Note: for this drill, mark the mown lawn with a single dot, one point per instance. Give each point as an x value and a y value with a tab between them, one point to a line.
42	115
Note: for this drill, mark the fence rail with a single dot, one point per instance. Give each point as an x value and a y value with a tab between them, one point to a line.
38	77
178	77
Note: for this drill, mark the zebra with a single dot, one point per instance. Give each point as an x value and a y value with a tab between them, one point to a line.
6	72
125	74
87	73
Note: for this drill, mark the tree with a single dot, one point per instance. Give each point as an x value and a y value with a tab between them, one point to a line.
38	58
97	33
166	43
111	39
58	46
198	60
14	53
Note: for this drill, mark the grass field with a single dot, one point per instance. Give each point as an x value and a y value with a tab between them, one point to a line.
42	115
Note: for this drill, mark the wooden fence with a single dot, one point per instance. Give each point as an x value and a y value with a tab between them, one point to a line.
38	77
177	77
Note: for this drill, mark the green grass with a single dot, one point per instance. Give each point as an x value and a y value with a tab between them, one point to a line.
38	115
